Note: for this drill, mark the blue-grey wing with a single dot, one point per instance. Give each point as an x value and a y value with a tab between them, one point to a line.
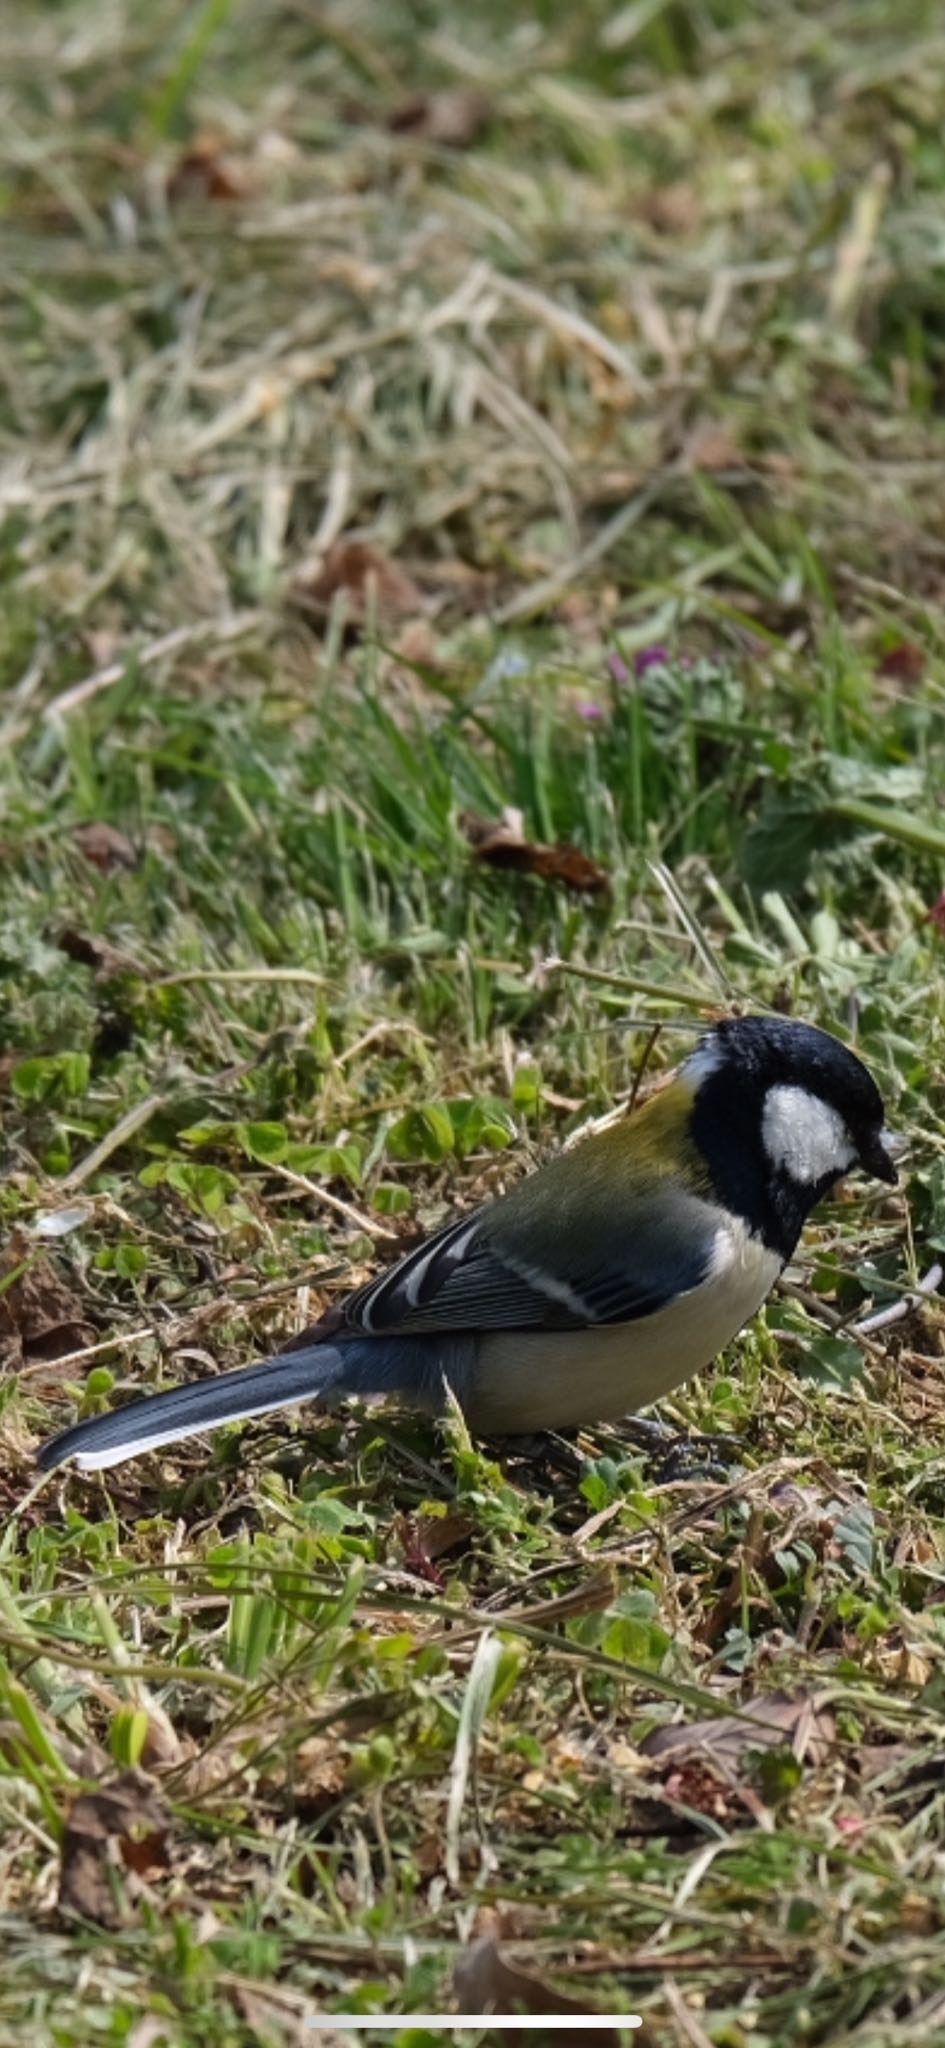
490	1270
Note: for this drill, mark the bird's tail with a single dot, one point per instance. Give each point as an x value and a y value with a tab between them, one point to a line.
414	1367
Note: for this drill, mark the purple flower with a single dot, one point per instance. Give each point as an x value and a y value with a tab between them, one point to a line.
618	668
650	657
591	710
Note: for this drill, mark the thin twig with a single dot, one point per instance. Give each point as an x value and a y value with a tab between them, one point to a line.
568	325
140	1113
305	976
635	984
145	657
335	1202
188	1319
677	902
544	593
898	1310
381	1029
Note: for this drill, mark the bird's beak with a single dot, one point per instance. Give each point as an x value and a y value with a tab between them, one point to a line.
879	1153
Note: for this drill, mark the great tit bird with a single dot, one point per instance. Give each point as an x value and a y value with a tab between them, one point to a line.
597	1284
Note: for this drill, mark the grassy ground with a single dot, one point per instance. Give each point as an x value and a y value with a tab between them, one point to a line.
381	385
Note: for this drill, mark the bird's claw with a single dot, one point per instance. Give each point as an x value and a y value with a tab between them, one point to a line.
679	1454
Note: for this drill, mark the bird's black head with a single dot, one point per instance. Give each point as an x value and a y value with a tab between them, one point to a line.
781	1112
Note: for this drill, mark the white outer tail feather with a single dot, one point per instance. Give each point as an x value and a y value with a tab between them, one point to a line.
118	1454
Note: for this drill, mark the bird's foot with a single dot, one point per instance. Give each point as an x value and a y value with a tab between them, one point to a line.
679	1454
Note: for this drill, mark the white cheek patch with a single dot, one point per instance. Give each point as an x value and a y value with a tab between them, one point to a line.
804	1135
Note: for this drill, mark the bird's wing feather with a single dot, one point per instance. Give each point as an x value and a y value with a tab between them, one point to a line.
488	1271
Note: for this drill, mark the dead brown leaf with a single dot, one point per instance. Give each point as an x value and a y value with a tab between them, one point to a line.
121	1827
416	645
712	446
455	118
673	209
700	1789
435	1535
424	1538
430	1854
203	172
919	1914
104	846
876	1759
92	951
40	1316
775	462
904	662
753	1553
484	1982
319	1772
777	1720
502	843
373	585
936	915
